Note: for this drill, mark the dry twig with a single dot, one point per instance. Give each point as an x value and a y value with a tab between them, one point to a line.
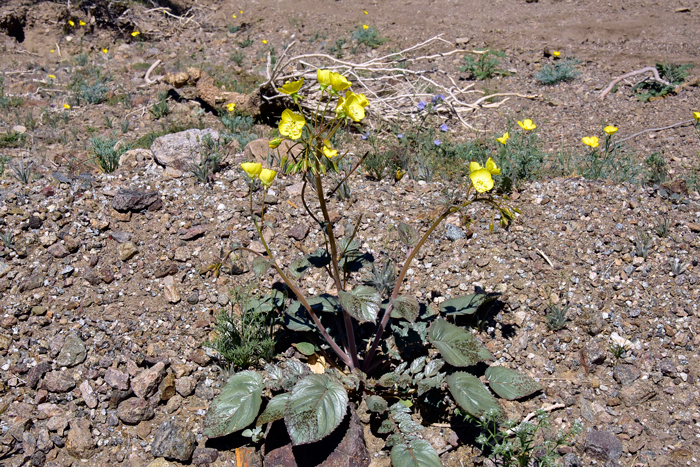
651	69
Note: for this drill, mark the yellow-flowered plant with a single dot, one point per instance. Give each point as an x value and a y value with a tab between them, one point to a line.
696	116
503	139
231	106
527	124
334	318
556	54
610	130
591	141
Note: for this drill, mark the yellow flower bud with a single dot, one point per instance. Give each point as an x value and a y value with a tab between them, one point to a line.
82	23
273	144
267	176
135	33
71	23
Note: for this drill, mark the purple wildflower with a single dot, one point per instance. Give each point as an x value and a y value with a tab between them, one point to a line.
437	142
365	135
444	127
438	98
421	105
399	135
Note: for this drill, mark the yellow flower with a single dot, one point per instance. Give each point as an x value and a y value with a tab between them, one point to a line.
339	82
230	107
291	88
52	50
273	144
482	176
264	41
364	26
610	130
105	51
267	176
82	23
71	23
491	167
241	11
503	138
591	141
527	124
556	53
323	77
135	33
66	106
354	105
253	169
233	16
328	151
696	116
366	12
52	76
291	124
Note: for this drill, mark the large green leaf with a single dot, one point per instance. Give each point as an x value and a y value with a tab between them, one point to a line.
415	453
274	410
376	404
457	346
472	395
297	319
362	303
315	408
260	265
464	305
237	405
510	384
405	307
408	235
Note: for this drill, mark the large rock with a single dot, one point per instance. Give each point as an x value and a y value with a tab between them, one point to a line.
603	445
146	383
135	410
80	442
73	351
135	200
173	441
58	381
181	150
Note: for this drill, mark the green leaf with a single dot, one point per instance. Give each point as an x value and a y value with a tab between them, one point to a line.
510	384
237	405
319	258
306	348
315	408
415	453
387	380
362	303
405	307
408	235
274	410
298	267
297	319
376	404
457	346
472	395
260	265
464	305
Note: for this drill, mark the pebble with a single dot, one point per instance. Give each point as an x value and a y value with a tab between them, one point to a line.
603	445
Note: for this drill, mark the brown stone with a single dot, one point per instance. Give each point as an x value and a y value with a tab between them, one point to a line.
80	443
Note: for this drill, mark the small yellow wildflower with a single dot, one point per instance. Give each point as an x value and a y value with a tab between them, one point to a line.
399	174
527	124
323	77
135	33
273	144
82	23
52	76
241	11
52	50
556	53
264	41
503	139
354	105
253	169
696	116
267	176
339	82
328	151
291	124
291	87
481	177
233	16
71	23
591	141
364	26
66	106
231	107
366	12
105	51
610	130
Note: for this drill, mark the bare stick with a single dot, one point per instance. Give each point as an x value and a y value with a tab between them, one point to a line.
545	257
683	123
632	73
150	70
531	415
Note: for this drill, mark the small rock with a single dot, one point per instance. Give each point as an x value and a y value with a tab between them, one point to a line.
192	233
167	269
298	232
135	410
193	298
134	200
160	462
180	150
454	233
173	441
571	460
36	373
32	283
73	352
626	374
117	379
603	445
167	387
200	357
185	386
204	456
80	443
92	276
146	383
88	394
120	237
38	310
172	295
58	381
35	222
127	251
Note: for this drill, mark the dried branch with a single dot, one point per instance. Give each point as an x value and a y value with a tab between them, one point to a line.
651	69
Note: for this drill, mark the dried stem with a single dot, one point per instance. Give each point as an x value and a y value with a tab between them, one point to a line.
651	69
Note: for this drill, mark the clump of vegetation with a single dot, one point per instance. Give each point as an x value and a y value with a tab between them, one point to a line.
662	227
657	168
22	173
520	156
4	159
556	316
5	101
485	65
245	332
245	43
651	89
559	71
160	108
336	49
211	161
107	152
12	139
369	36
513	444
642	244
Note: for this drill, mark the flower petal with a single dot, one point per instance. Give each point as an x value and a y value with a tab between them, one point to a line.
482	180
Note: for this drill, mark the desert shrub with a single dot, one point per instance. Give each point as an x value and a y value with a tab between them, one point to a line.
485	65
651	89
368	36
107	152
559	71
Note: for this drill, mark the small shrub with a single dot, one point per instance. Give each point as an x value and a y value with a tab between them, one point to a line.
13	139
521	158
124	126
337	48
8	239
234	28
662	227
22	173
160	109
560	71
369	37
657	169
556	316
237	123
107	152
642	244
247	42
486	66
5	101
4	159
650	89
237	58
